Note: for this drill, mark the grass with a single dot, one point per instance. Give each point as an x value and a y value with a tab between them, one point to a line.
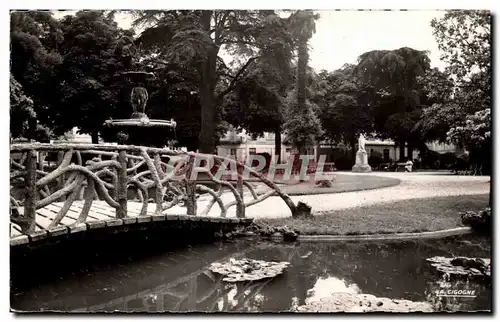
417	215
342	183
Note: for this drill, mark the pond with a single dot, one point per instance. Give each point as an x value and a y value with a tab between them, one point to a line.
179	280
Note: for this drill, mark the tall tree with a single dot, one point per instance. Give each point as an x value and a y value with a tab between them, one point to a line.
194	39
93	55
302	123
394	75
257	102
464	37
438	113
345	107
35	37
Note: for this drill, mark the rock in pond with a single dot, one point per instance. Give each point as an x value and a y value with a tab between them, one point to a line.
248	269
360	303
462	266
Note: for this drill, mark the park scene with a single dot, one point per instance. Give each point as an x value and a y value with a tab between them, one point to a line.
250	161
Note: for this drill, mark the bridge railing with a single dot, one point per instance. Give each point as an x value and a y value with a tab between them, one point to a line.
112	172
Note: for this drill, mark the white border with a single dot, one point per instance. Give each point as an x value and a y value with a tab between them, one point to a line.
145	4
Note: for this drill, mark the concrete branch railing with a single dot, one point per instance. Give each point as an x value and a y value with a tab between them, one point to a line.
109	172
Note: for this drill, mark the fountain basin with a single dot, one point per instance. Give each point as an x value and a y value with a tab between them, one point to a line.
142	122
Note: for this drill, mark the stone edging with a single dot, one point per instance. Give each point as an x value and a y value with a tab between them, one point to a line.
396	236
124	223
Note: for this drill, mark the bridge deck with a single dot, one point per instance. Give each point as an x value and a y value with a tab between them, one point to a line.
100	215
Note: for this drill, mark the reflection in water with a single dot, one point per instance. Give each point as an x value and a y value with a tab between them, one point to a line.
324	287
180	281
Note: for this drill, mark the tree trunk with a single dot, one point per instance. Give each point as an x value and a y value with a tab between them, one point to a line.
301	74
207	86
302	151
95	137
353	150
402	151
301	88
277	143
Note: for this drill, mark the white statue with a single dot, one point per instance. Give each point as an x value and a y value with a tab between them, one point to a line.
361	143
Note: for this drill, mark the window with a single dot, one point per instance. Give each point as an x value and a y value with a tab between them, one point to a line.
287	150
252	150
233	152
371	151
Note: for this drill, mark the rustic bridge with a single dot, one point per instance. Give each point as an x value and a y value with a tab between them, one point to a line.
62	189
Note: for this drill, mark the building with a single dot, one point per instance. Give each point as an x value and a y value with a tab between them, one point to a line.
240	145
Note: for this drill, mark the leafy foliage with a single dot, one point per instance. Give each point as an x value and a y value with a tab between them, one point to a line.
396	79
93	55
35	37
464	37
464	119
346	109
302	124
192	41
23	118
475	132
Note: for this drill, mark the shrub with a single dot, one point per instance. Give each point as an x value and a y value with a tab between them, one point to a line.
478	220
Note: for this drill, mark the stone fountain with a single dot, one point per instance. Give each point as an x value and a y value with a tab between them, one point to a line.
133	129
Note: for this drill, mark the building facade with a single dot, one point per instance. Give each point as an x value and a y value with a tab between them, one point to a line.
241	145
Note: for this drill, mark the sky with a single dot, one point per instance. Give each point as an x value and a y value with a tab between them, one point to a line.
342	36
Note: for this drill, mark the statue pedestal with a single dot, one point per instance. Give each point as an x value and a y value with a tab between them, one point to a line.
361	162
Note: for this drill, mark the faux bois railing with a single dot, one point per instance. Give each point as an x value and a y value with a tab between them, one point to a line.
110	173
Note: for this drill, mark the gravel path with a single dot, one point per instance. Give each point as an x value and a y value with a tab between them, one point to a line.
412	186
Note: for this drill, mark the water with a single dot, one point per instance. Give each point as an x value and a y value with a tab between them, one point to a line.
179	281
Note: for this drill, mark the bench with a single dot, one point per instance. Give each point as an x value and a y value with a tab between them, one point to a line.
400	165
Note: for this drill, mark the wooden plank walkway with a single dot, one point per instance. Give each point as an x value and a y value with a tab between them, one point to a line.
100	215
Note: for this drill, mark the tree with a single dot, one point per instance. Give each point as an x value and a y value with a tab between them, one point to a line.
257	102
302	124
35	37
438	114
193	40
88	91
476	136
395	75
345	107
464	37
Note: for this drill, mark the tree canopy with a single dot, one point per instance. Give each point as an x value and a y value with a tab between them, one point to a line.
193	41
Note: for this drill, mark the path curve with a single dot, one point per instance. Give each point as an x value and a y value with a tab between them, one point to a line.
413	186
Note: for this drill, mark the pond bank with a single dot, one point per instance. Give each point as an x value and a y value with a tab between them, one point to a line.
408	216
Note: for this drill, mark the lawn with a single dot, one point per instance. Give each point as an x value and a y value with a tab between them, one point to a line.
342	183
406	216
